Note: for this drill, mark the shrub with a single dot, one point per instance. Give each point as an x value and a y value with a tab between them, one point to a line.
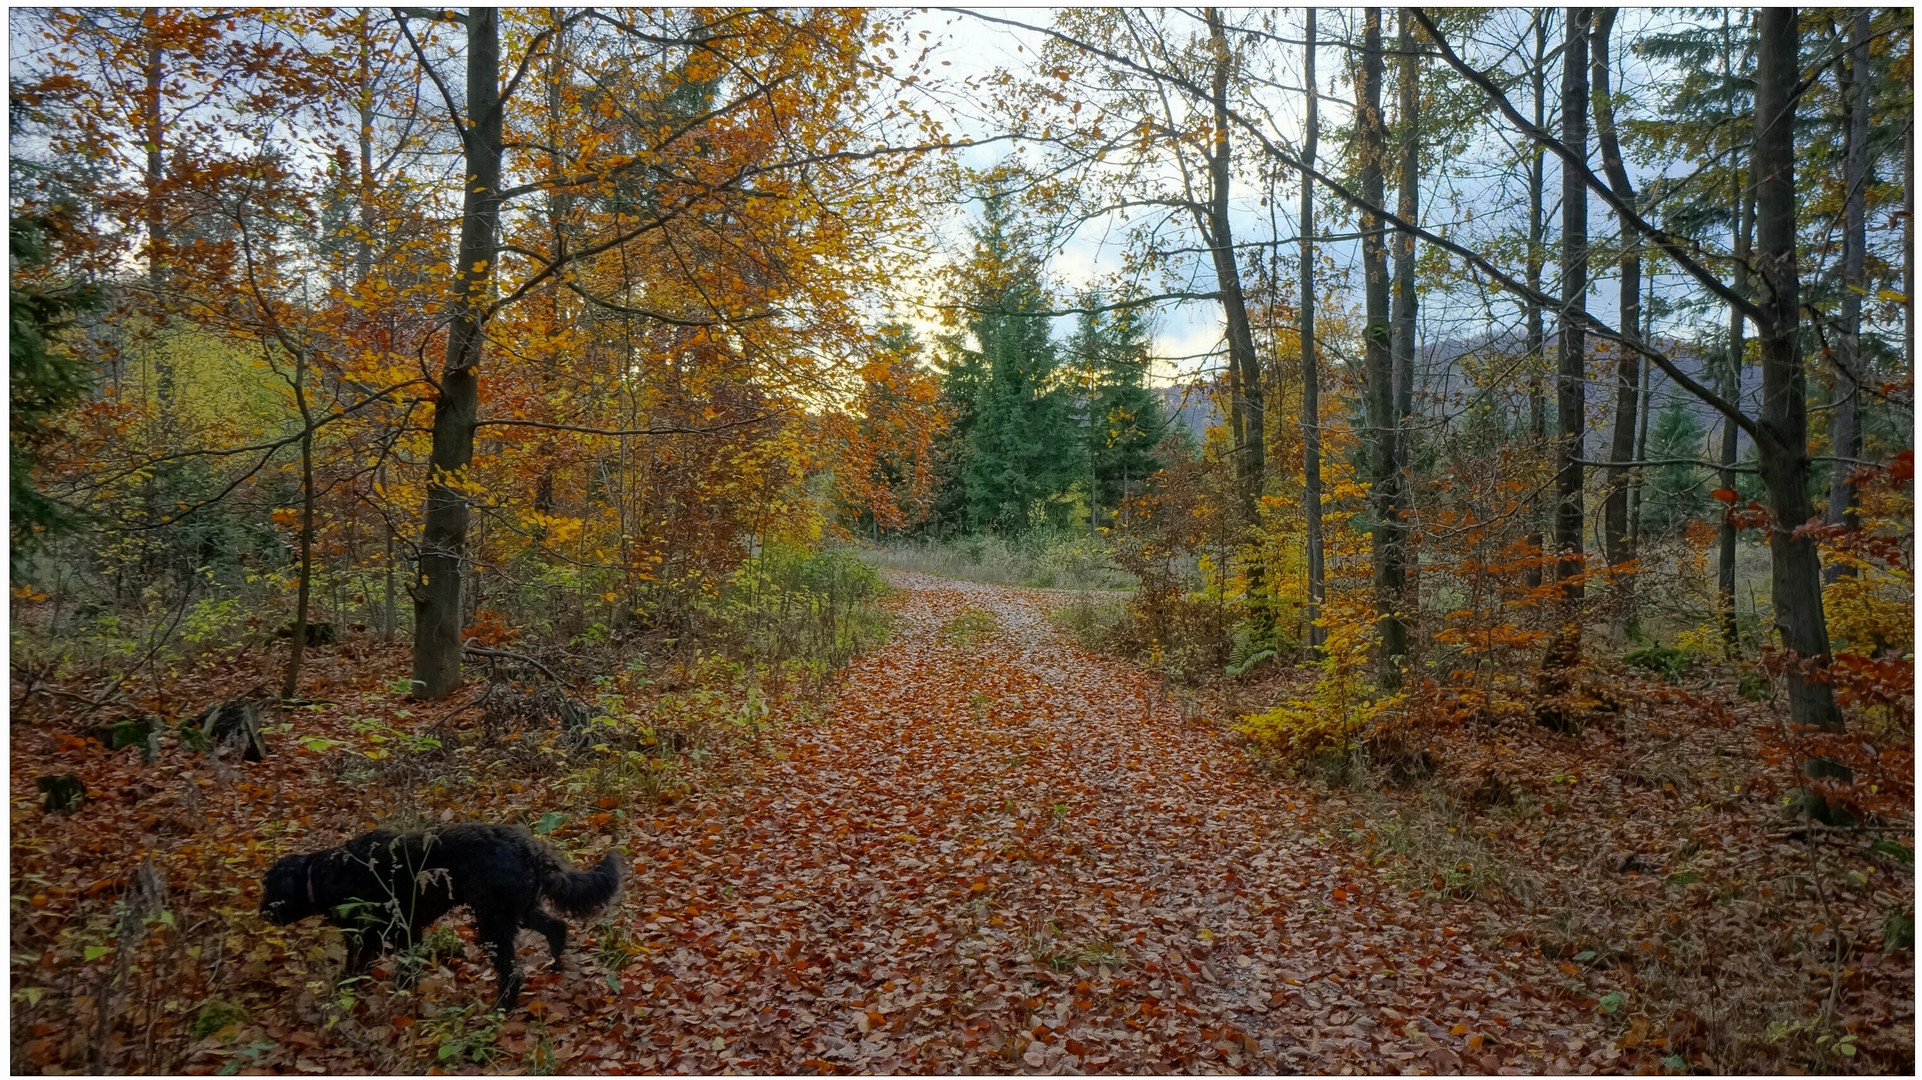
1668	662
1090	621
789	603
1339	712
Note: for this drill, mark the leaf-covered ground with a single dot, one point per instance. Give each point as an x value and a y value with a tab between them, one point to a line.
1004	853
987	851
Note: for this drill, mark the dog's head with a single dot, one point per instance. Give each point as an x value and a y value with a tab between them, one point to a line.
285	896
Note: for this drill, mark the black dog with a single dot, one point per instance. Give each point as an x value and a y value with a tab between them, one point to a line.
386	888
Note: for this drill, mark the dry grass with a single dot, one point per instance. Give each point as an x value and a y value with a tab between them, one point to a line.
1041	561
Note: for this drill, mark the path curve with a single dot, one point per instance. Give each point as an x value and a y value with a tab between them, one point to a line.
1012	855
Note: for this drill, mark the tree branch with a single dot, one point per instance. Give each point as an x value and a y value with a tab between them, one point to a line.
546	426
1594	325
1670	245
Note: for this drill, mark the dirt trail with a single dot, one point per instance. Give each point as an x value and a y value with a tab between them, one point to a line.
1001	853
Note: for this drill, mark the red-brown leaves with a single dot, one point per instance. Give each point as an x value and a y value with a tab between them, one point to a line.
996	852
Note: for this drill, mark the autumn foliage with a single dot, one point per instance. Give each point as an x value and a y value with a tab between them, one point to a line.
1456	677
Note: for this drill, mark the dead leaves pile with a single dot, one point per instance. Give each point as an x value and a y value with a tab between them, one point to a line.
1008	855
994	853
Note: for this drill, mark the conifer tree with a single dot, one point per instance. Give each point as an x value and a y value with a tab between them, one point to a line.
1012	448
1121	417
42	381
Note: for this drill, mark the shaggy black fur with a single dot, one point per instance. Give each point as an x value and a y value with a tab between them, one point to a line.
385	889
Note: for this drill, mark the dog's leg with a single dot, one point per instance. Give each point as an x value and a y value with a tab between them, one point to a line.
498	937
554	930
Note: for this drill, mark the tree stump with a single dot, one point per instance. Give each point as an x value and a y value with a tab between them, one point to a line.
318	633
236	720
64	792
119	736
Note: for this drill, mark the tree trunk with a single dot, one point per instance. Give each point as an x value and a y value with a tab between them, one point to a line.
389	616
1379	360
1403	303
1570	403
1537	335
297	645
1846	440
1408	208
1738	347
1616	544
1310	370
1635	476
1795	570
364	249
1251	450
437	597
155	73
1908	244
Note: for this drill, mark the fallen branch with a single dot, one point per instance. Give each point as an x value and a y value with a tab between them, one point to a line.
503	654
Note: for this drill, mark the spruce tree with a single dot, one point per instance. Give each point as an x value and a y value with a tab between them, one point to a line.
1012	450
1677	492
43	382
1121	416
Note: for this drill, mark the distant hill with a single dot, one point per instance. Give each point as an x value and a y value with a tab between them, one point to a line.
1443	388
1188	405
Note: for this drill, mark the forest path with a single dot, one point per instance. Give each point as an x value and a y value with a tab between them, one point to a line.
1002	853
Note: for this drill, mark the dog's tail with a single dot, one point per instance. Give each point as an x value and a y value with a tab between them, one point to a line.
582	892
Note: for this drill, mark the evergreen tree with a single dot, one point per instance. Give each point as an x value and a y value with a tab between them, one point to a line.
1012	450
1676	493
42	382
1121	419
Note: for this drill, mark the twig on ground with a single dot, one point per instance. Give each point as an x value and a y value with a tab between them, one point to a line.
503	654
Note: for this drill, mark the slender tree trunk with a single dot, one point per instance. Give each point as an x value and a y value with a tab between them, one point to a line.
1537	333
1795	570
1847	430
1402	308
155	132
390	614
1741	245
364	250
1408	208
1617	547
1635	476
437	598
1379	358
1310	370
1908	242
364	267
1570	403
1251	451
1738	347
297	645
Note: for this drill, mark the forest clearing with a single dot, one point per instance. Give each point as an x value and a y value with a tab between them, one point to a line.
1102	540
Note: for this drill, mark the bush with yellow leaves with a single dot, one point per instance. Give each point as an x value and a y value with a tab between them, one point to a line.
1344	706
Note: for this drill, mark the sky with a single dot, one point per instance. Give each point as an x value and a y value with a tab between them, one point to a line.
965	47
975	48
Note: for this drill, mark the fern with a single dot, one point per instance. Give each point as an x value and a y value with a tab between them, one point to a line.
1245	653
